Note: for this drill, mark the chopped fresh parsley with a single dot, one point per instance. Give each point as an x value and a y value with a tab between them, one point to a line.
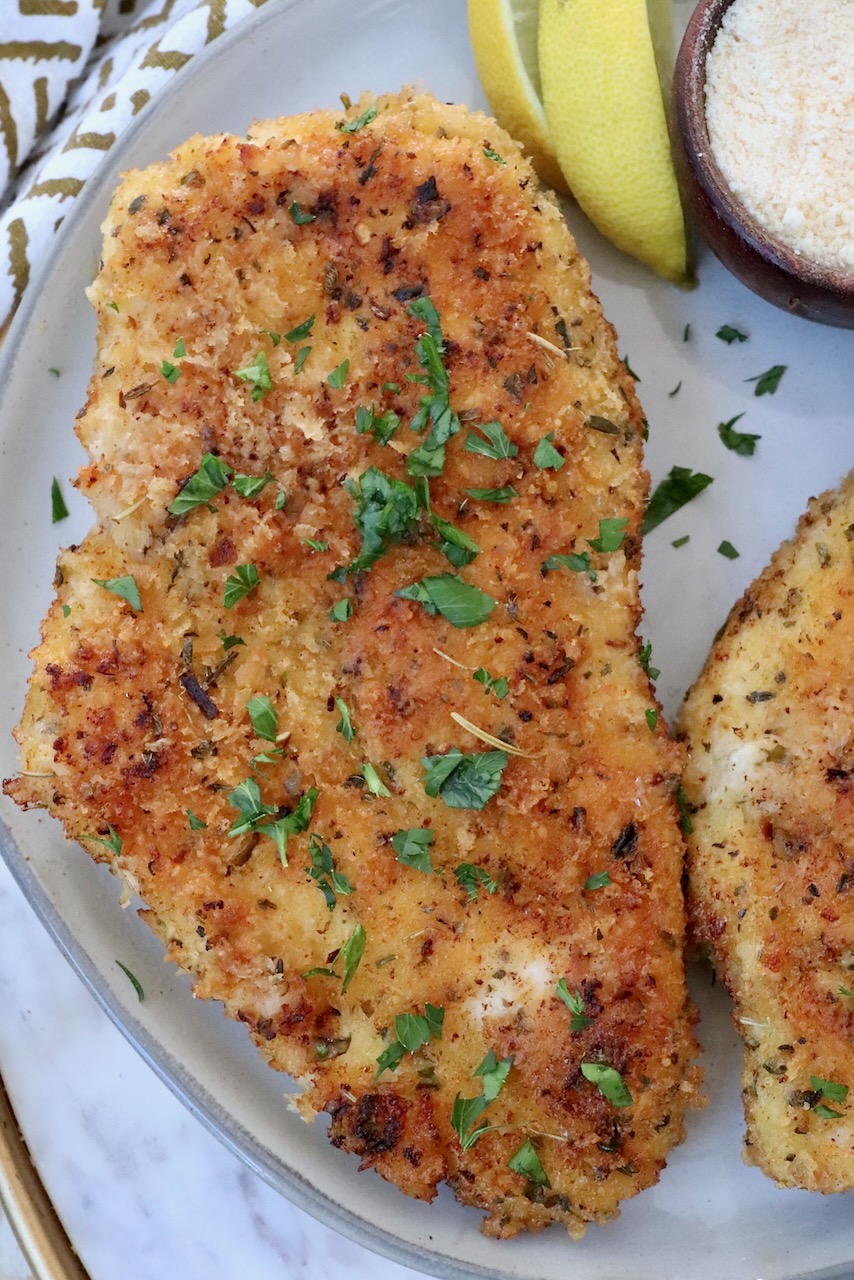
112	840
644	660
251	486
574	1002
210	479
382	427
230	642
274	337
740	442
66	610
353	126
651	717
265	721
257	375
677	488
281	500
134	981
499	685
577	562
301	331
241	583
675	391
322	869
629	369
412	1032
386	510
546	456
302	356
767	382
316	544
180	349
493	155
686	826
260	817
599	880
729	334
196	824
727	549
526	1162
345	724
609	1082
461	603
298	214
680	542
55	373
341	611
374	782
470	876
829	1089
59	511
351	953
612	534
504	494
125	588
467	1111
170	371
412	847
497	444
686	333
456	545
464	781
338	376
429	458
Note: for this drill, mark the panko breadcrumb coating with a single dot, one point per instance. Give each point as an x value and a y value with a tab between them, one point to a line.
379	766
771	856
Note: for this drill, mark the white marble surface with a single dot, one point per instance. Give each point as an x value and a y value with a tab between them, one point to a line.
142	1188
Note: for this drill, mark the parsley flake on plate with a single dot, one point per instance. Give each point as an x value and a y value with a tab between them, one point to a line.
767	382
729	334
59	511
680	486
133	980
740	442
728	550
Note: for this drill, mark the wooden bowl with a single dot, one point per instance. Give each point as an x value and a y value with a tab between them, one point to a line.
748	249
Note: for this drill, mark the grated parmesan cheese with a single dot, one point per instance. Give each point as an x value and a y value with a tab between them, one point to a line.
780	113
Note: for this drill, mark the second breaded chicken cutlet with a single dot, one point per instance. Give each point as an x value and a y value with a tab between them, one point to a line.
345	683
771	857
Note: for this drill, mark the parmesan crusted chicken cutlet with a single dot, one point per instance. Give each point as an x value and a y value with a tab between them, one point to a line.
771	856
345	683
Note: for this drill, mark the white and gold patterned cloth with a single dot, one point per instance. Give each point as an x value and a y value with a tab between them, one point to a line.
73	74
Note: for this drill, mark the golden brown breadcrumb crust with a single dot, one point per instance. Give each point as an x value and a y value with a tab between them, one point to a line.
771	857
140	717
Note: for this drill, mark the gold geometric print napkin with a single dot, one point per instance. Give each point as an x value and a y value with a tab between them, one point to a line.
73	74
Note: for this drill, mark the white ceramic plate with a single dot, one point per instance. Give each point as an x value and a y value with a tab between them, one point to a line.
710	1217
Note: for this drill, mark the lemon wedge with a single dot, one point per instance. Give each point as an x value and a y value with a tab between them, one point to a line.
504	37
605	112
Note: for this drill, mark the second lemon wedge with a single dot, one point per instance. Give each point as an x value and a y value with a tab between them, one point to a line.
606	118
